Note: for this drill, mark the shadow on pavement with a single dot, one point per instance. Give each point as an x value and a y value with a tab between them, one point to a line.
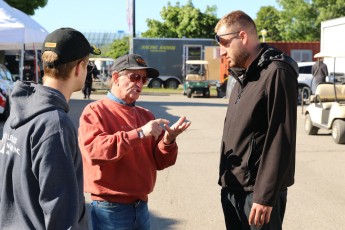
158	222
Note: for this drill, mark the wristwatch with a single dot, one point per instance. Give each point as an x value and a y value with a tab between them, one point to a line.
141	133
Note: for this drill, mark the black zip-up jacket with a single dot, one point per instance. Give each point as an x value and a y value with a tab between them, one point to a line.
259	136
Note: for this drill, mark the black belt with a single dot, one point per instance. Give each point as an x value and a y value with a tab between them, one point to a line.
135	204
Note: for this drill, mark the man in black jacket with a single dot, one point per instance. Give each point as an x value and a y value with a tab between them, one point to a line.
91	74
257	161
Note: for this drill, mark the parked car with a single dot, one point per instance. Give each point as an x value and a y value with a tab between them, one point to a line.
305	78
6	87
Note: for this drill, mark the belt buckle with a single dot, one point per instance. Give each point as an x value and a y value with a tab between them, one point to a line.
136	203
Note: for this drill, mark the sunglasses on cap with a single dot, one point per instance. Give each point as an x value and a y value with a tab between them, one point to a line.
221	35
133	77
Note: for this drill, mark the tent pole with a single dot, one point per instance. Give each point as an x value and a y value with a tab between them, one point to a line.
21	63
36	64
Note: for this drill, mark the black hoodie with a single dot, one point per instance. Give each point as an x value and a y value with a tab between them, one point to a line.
41	181
259	136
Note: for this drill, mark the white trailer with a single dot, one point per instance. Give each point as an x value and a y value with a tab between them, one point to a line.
331	44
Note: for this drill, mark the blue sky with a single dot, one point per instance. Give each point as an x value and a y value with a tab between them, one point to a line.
111	15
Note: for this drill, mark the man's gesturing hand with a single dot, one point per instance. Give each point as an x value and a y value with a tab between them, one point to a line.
176	129
154	128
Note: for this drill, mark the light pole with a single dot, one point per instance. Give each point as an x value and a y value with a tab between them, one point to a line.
263	34
133	18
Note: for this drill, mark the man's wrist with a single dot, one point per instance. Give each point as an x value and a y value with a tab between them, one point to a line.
168	142
141	134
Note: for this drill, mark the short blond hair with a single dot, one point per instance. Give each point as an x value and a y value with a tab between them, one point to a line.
61	71
237	20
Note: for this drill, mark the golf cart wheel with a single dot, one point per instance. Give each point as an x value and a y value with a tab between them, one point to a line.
338	131
308	126
206	93
189	93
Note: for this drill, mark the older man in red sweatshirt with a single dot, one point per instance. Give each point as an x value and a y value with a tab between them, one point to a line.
123	146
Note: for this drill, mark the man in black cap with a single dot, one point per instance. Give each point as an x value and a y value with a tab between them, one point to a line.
41	176
123	145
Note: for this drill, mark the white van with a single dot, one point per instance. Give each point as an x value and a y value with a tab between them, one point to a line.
305	78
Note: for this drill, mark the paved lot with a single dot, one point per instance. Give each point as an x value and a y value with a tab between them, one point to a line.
187	195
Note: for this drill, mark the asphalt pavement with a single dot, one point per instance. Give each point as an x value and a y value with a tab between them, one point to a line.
187	196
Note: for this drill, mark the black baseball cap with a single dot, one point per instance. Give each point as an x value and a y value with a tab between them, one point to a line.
133	61
69	44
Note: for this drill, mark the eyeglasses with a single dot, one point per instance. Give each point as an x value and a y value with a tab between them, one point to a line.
221	35
133	77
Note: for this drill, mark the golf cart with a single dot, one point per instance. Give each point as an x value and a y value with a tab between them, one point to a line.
196	79
327	108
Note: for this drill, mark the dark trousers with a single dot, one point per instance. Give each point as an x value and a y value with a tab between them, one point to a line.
237	206
87	89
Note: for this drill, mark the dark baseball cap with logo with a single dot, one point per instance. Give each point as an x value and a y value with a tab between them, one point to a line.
69	44
133	62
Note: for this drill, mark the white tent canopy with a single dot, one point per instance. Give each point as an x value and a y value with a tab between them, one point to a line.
18	31
17	28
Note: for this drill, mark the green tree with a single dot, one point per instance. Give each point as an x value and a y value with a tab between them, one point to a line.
329	9
297	21
27	6
118	48
183	21
267	19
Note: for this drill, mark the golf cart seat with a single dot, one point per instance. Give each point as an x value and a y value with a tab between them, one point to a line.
325	93
193	77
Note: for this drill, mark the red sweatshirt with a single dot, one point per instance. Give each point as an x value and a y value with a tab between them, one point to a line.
118	165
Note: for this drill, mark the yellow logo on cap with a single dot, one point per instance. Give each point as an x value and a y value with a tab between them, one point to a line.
50	44
96	50
140	61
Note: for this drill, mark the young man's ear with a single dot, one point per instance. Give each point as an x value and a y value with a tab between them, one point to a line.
79	67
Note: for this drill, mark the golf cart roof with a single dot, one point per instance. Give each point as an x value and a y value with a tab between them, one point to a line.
329	55
197	62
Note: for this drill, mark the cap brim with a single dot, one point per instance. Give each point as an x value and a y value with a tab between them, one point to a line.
94	50
151	72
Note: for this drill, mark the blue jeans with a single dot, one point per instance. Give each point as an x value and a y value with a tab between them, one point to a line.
115	216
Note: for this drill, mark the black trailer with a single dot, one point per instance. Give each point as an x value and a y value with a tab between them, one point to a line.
169	55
